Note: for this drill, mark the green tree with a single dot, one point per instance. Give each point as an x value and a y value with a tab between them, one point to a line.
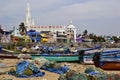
22	28
85	32
91	35
116	39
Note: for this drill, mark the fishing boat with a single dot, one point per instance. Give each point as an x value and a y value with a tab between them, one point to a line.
109	60
56	54
58	57
87	56
10	56
66	55
52	57
14	56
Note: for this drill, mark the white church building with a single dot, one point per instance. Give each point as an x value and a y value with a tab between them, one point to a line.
58	32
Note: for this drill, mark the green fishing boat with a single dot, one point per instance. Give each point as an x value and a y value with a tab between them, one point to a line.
58	57
80	56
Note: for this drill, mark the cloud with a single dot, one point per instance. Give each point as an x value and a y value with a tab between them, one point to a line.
89	10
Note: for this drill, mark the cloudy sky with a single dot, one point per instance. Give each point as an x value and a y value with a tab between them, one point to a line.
101	17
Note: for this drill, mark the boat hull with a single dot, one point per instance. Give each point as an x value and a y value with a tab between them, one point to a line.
88	59
107	61
14	56
10	56
58	58
110	65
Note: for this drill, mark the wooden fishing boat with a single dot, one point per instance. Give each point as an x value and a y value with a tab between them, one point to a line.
58	57
10	56
88	58
87	55
107	60
14	56
78	55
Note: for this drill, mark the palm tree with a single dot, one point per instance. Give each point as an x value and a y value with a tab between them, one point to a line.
22	28
1	33
85	32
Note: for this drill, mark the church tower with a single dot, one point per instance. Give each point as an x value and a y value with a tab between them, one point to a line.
29	22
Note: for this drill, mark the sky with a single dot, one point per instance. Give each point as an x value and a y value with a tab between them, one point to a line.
101	17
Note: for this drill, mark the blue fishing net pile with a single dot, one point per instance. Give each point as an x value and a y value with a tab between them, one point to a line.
99	74
52	66
96	73
26	69
73	75
90	73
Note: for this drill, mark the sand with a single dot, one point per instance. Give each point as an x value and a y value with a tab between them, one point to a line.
48	75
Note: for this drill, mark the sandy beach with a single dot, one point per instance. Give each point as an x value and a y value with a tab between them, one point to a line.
9	63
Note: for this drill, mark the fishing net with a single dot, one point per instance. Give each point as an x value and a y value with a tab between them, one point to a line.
33	67
73	75
89	69
62	77
79	76
40	61
113	76
97	77
28	72
26	69
52	66
70	73
99	74
91	73
93	70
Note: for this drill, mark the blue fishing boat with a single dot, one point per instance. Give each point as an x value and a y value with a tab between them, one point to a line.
87	56
109	60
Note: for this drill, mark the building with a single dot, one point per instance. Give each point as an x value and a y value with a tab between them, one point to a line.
5	37
28	20
58	33
34	36
71	32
